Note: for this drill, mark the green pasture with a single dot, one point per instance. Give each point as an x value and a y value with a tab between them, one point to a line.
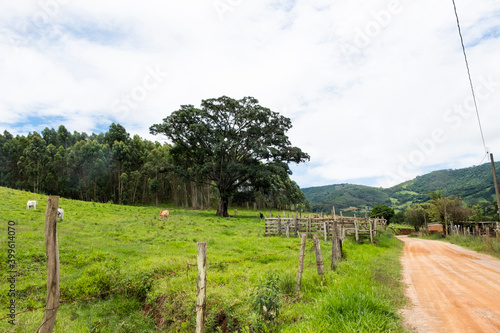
106	246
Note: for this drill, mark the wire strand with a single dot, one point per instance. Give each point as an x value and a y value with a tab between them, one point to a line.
470	79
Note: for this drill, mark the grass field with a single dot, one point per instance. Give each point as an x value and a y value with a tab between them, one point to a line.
105	246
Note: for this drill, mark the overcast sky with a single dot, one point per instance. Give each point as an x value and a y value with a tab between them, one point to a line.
377	91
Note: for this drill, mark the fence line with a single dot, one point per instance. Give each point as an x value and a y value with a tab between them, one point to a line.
152	280
165	276
322	226
53	300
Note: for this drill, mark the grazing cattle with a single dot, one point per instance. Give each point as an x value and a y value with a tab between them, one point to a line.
60	213
261	215
164	214
31	203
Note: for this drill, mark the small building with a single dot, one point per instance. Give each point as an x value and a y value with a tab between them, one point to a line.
436	227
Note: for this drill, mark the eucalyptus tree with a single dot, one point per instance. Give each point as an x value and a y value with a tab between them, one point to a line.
33	162
8	162
227	143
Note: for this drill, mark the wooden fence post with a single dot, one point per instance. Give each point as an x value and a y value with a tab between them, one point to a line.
279	225
371	231
52	252
325	231
201	300
356	232
301	262
296	224
319	257
335	245
309	226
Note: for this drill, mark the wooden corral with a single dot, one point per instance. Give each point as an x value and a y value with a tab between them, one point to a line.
323	226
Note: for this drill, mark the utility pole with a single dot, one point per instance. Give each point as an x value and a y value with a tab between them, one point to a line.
496	183
445	220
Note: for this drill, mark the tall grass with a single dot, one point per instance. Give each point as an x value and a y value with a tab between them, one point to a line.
362	295
105	246
481	244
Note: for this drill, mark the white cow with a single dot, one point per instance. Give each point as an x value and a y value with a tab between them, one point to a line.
31	203
60	213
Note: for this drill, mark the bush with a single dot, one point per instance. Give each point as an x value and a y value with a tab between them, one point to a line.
265	298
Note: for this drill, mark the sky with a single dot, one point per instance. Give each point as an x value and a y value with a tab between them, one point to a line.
377	91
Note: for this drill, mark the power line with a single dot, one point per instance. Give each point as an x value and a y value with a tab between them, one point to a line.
470	79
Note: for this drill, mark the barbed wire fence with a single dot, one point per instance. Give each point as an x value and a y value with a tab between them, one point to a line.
53	283
176	272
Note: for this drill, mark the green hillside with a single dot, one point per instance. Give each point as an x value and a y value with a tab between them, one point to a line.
473	184
343	196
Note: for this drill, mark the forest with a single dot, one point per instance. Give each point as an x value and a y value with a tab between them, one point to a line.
115	167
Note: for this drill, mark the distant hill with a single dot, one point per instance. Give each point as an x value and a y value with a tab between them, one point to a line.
473	184
343	196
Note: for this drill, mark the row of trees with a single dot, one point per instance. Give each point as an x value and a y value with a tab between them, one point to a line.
100	167
439	209
114	166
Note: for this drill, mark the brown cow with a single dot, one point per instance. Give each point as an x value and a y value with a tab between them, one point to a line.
164	214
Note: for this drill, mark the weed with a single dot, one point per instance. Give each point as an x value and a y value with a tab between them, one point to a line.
287	284
265	297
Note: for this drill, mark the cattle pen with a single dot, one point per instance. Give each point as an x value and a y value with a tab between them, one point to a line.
323	226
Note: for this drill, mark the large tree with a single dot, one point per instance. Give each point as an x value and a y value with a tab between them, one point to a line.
228	143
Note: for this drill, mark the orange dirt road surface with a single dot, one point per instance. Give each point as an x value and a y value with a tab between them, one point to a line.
451	289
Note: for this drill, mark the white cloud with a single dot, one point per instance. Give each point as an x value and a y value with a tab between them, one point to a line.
366	84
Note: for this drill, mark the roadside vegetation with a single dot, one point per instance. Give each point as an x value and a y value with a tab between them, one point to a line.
481	244
104	247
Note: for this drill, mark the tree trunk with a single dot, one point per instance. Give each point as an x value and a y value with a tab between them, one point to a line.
222	208
193	196
208	196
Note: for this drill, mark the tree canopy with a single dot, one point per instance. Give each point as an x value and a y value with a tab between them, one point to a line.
230	144
416	215
383	211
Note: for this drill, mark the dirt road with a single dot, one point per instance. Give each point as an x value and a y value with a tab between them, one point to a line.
452	289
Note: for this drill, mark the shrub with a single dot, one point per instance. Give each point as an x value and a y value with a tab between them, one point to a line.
265	298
